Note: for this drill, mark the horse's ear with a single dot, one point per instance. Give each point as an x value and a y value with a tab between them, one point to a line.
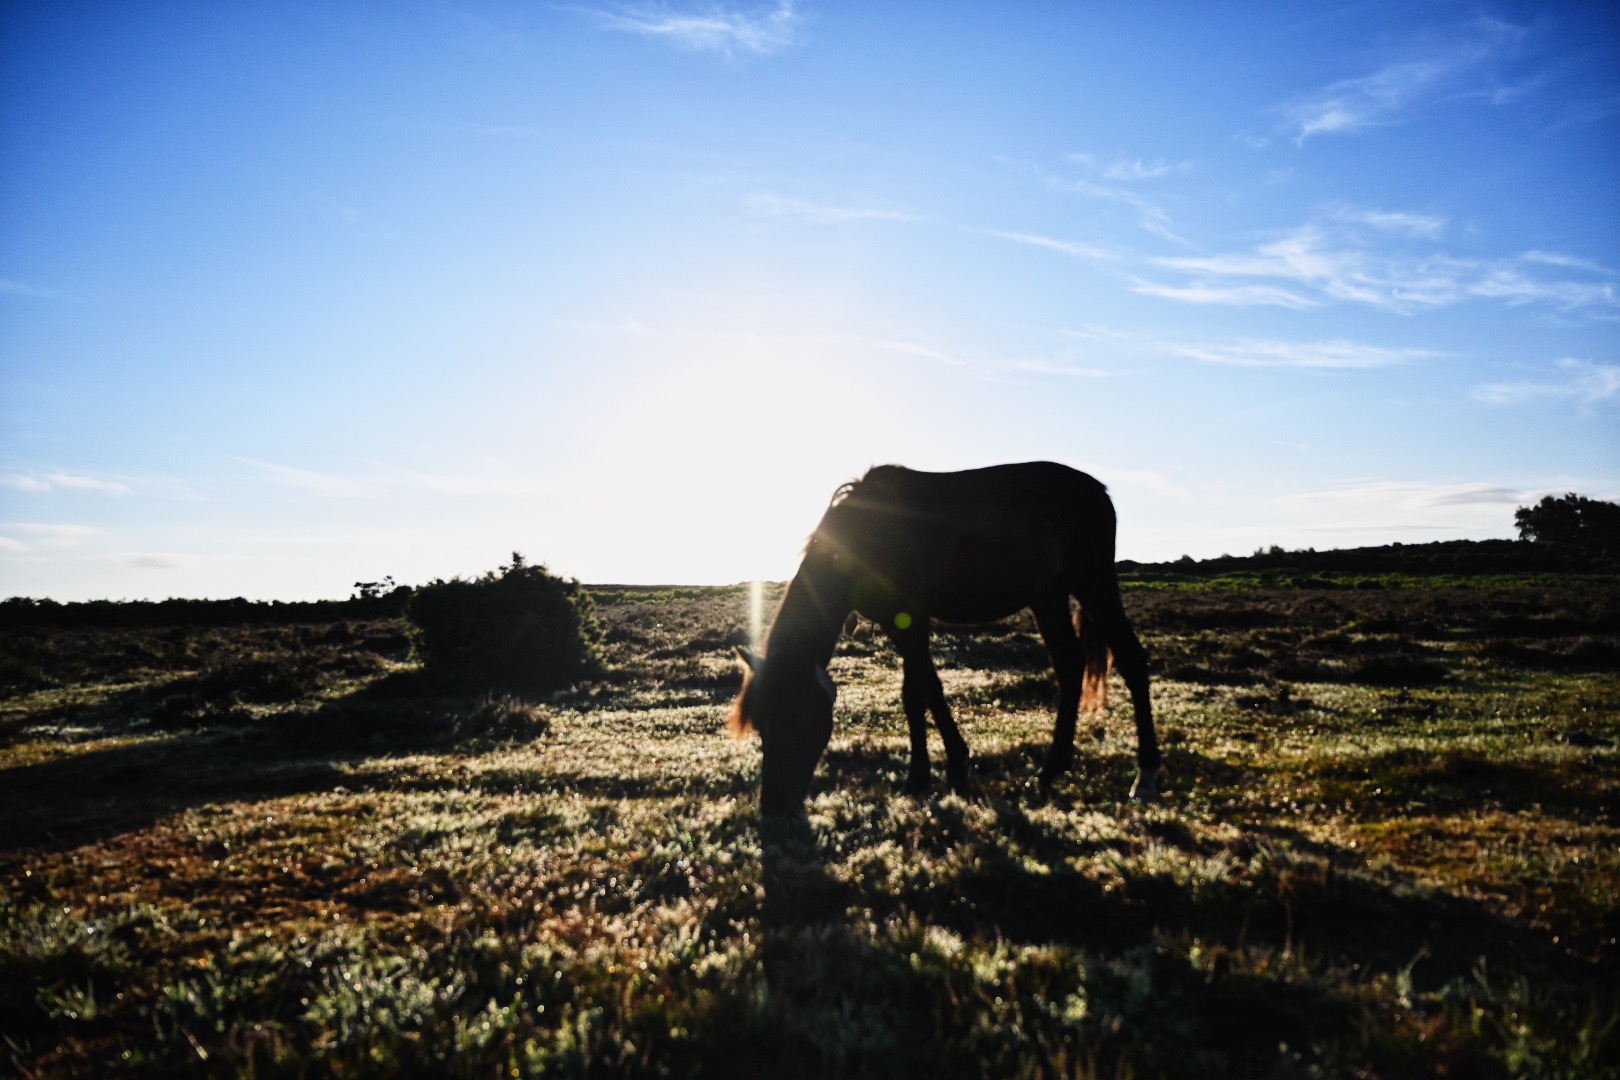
748	660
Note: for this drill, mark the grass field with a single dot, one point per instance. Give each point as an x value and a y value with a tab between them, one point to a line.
1388	849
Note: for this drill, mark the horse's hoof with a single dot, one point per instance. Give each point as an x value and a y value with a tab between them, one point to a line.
1145	789
916	789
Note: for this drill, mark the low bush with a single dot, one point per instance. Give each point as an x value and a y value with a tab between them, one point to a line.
522	629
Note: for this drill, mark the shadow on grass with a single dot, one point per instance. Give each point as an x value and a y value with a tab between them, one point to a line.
1457	779
1032	882
228	753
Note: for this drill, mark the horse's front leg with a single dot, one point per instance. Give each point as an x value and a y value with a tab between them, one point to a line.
956	748
914	699
921	694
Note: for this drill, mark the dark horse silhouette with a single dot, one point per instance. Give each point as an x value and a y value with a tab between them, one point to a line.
903	547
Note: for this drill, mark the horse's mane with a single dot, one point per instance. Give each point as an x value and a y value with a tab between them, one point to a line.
845	490
878	479
839	497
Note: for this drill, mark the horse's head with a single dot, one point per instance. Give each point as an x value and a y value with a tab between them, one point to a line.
790	704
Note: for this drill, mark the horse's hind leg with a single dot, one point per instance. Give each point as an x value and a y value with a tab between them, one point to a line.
921	693
1102	604
1057	630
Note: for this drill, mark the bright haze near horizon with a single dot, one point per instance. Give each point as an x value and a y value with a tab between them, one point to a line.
295	295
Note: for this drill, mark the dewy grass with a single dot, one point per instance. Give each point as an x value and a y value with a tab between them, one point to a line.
1399	868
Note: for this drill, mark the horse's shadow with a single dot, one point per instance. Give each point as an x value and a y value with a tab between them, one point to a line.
1029	880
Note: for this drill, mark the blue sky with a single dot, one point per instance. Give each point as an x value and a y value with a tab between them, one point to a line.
294	295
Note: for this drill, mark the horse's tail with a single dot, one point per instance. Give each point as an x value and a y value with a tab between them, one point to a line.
738	720
1098	588
1094	687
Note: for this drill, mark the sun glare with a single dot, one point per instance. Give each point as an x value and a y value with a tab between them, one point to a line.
756	614
720	465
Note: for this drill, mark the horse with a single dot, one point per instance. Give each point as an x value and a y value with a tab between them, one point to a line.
902	548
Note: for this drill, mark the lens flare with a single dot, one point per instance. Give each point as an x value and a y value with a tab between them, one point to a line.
756	614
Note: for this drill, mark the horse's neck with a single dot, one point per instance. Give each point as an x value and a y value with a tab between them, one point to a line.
810	619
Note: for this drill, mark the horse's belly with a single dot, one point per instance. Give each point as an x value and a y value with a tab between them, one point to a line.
983	581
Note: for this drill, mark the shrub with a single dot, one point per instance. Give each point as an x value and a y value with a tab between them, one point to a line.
520	629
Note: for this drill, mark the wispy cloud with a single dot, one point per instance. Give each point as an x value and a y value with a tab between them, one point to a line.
317	482
1420	495
1072	371
1153	480
992	368
898	347
1331	261
13	287
1262	352
1063	247
711	28
1377	510
494	482
1257	352
1234	295
1577	380
1464	65
1151	215
57	481
1397	221
1573	262
43	535
1126	170
382	482
784	206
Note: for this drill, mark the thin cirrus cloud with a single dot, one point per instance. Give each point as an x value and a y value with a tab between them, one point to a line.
1575	380
318	483
1468	66
48	535
1126	170
721	29
1403	497
13	287
1330	262
1334	354
59	481
389	483
1151	216
1427	226
1395	509
1233	295
770	205
1063	247
1337	354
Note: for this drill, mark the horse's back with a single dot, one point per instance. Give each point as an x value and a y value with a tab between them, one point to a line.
976	544
1042	482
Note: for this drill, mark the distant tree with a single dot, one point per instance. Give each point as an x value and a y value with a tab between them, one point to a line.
520	629
1571	521
371	590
